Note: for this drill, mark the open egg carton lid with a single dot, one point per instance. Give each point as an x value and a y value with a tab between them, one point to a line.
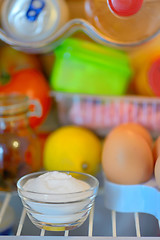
144	198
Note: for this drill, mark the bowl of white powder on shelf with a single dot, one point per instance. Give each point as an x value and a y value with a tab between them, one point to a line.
58	200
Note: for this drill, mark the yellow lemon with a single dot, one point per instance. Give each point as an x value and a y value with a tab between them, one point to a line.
72	148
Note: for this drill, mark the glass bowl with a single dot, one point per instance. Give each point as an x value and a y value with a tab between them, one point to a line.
58	212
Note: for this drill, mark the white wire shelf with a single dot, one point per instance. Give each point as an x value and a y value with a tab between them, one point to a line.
101	223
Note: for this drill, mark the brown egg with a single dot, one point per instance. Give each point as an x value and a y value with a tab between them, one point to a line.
157	171
156	149
137	128
127	158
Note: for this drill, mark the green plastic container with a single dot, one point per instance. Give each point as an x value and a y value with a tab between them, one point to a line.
89	68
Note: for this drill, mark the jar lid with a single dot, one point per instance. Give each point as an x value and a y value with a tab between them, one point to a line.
13	104
95	54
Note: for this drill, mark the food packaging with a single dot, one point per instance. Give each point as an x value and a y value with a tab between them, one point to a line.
88	68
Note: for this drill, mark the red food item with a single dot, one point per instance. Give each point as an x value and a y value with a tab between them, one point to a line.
32	83
125	8
154	77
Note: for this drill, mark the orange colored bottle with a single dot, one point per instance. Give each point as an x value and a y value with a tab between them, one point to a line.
145	62
147	80
124	21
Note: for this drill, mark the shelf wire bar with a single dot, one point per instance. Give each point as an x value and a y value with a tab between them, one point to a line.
66	233
4	206
21	222
137	225
159	223
114	231
91	218
42	234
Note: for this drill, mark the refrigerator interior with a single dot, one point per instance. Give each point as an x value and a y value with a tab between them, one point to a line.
101	223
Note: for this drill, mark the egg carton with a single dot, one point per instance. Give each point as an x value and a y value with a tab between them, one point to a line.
142	198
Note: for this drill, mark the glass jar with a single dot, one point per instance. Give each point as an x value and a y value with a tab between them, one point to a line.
19	146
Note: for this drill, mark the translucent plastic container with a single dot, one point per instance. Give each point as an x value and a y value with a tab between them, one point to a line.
80	63
127	21
102	113
94	18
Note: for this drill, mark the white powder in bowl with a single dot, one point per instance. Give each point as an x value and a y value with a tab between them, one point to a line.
55	182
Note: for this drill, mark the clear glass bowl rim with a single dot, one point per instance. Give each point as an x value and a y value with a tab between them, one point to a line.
20	188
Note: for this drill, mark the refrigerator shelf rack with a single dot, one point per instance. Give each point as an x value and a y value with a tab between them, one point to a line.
101	223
